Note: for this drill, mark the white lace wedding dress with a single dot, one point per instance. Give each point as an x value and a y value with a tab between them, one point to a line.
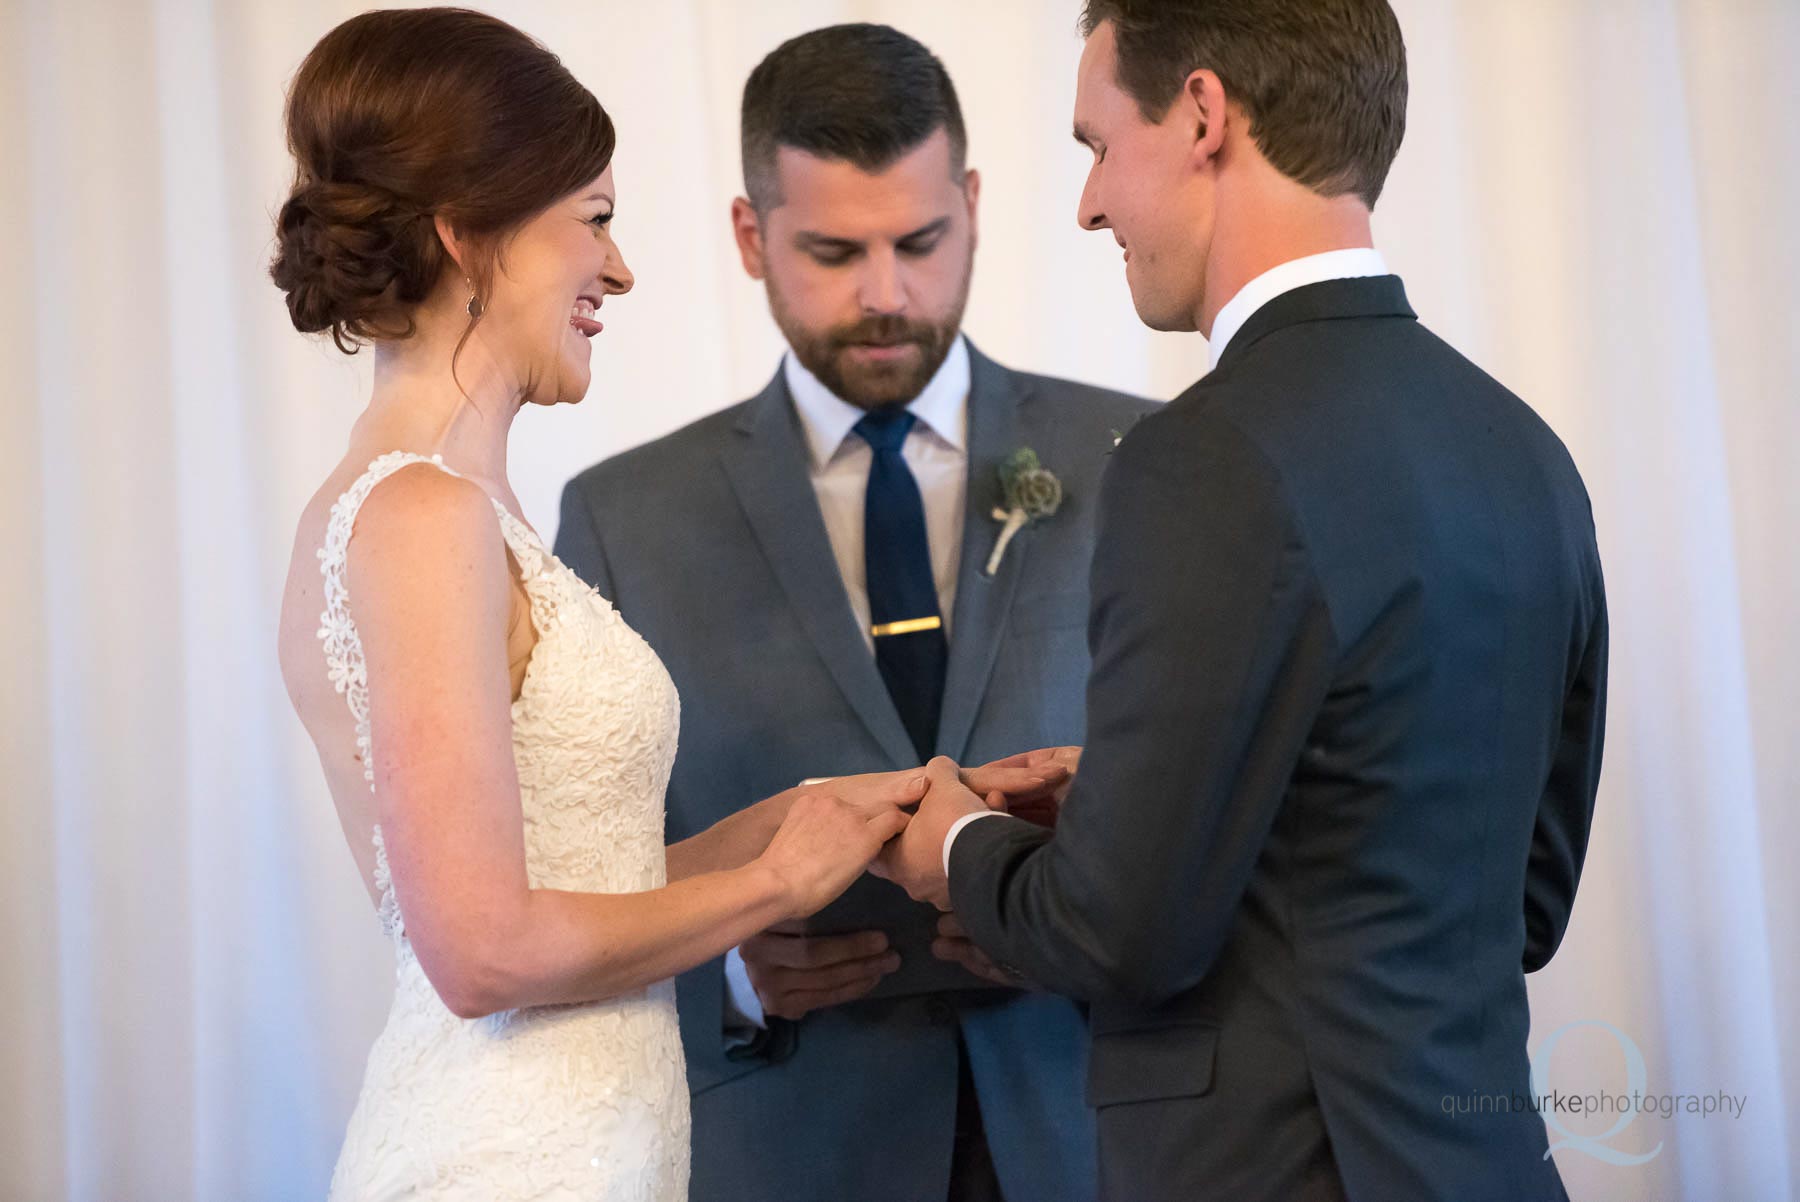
557	1103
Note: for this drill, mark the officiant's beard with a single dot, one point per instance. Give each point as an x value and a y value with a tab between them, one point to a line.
868	384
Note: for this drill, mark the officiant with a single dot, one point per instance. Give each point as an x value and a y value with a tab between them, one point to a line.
880	557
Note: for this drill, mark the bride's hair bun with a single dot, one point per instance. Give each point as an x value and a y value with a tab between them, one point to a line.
398	117
353	260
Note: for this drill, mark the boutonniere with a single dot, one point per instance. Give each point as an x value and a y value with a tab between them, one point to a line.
1029	491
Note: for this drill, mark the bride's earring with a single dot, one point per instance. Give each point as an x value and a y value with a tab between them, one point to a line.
474	306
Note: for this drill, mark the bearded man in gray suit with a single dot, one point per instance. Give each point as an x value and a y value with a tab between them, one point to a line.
820	569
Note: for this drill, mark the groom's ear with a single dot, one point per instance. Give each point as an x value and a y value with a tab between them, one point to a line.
1201	108
746	227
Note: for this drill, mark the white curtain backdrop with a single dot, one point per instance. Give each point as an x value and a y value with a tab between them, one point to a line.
1594	202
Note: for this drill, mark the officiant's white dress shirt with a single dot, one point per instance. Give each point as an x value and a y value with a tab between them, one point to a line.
1351	264
936	452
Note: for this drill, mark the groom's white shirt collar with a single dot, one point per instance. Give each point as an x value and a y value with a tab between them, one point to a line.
1351	264
827	418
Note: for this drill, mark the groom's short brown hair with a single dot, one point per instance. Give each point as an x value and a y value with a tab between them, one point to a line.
1322	81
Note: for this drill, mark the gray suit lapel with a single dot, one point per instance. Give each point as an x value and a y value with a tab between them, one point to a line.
768	467
982	603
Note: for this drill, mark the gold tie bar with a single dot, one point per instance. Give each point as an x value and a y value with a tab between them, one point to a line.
909	626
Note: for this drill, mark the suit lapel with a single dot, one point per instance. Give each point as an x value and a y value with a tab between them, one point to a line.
978	621
768	468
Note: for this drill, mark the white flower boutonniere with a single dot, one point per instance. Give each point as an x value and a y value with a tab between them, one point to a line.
1029	491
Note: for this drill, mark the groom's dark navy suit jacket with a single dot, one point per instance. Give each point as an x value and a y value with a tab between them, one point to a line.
1344	729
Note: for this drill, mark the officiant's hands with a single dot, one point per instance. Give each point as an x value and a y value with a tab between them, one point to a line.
954	945
794	974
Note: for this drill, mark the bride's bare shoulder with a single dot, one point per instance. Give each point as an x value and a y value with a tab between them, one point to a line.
417	511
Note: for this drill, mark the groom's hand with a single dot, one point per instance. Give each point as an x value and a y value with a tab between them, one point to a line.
915	860
795	974
1030	785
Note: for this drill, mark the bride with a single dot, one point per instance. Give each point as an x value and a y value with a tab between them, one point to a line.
495	738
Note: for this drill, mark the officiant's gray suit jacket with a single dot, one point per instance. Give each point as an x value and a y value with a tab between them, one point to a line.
711	544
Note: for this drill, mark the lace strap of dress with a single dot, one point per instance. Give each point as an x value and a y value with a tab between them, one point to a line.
535	567
344	662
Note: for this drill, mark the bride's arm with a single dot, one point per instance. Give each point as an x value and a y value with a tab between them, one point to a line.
430	591
731	842
738	839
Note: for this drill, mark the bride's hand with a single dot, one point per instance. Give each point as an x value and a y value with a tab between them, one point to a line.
871	792
827	840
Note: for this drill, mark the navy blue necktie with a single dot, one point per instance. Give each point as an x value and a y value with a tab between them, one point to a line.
910	647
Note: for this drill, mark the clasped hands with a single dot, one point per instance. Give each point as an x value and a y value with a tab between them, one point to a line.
794	973
1030	785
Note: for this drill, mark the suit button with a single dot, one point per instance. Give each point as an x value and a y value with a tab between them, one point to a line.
940	1012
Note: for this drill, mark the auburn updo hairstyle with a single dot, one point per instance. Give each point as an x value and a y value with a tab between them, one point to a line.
400	116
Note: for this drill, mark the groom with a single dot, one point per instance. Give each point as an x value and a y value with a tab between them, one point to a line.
1349	664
